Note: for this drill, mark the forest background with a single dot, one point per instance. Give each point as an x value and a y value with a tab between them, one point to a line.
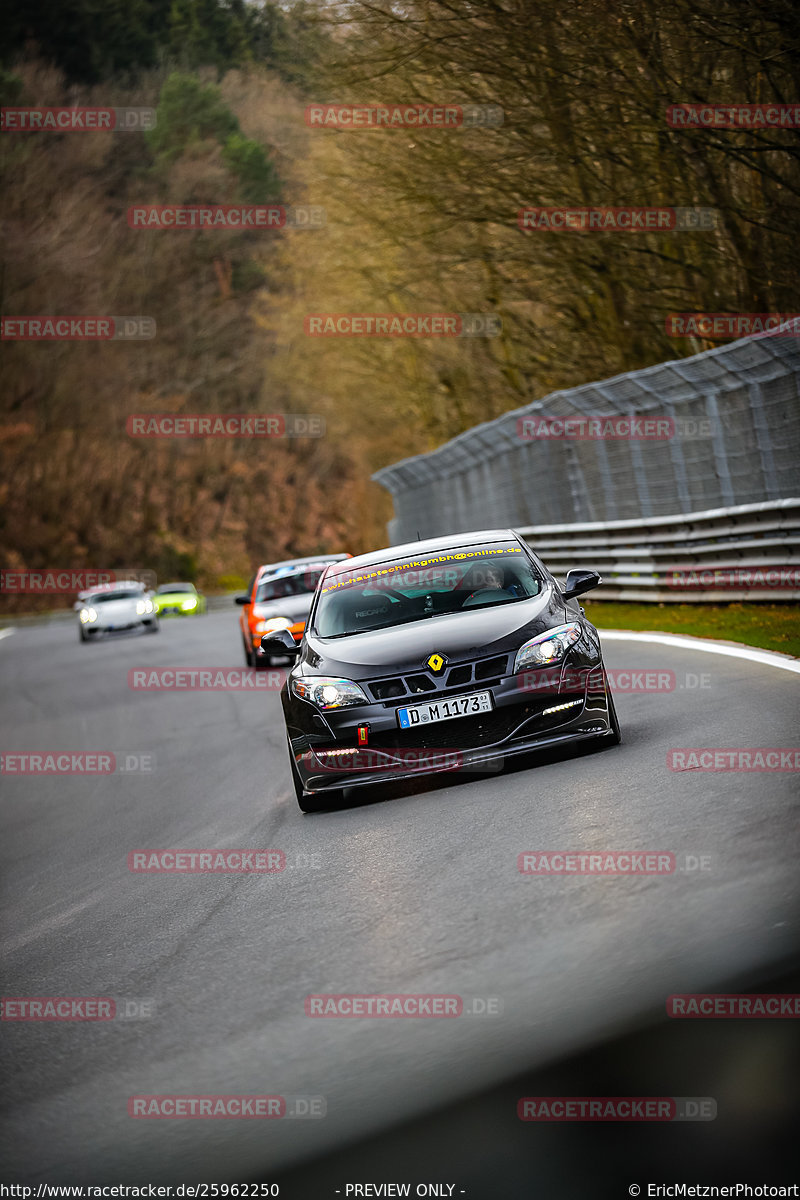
415	221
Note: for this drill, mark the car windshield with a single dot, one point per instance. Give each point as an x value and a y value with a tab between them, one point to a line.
123	594
169	588
297	583
409	589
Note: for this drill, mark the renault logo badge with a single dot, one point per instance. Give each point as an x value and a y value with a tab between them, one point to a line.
436	663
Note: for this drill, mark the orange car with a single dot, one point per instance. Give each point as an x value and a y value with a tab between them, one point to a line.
279	597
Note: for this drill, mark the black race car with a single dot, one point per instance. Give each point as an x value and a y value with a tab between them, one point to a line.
439	655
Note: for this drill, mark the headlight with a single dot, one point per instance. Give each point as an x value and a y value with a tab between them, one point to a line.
328	693
88	615
189	604
548	647
272	625
144	606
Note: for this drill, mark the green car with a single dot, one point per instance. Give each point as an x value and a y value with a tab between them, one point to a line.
181	599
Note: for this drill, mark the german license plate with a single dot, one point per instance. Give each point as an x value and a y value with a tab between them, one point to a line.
444	710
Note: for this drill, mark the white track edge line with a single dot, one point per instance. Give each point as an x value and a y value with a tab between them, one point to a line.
766	657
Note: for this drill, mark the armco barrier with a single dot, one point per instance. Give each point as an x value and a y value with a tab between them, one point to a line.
694	557
736	413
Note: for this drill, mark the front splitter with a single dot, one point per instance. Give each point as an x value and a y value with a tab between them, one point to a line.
450	762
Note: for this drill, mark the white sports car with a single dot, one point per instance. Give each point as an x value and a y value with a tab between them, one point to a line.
123	605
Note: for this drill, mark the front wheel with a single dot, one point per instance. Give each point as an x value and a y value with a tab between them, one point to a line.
319	803
311	803
151	626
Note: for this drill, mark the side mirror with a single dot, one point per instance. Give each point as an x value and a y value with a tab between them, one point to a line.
579	582
279	643
241	599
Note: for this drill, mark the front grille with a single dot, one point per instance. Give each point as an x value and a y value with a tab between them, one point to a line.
491	668
459	676
388	689
420	683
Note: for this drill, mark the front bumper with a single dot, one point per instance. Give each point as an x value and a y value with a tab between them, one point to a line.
328	756
119	623
118	627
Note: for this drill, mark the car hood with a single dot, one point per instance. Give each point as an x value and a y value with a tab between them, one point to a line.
112	609
173	597
294	608
479	633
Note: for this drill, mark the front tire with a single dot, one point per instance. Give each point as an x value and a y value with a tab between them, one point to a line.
151	626
311	803
317	803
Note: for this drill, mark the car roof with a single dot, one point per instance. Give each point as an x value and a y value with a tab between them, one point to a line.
429	546
273	568
162	587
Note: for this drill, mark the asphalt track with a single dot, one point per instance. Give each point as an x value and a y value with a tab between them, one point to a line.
412	890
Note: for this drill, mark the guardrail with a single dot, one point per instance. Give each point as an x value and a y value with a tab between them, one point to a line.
744	552
731	423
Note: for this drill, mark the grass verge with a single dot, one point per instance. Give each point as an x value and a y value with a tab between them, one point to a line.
768	626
